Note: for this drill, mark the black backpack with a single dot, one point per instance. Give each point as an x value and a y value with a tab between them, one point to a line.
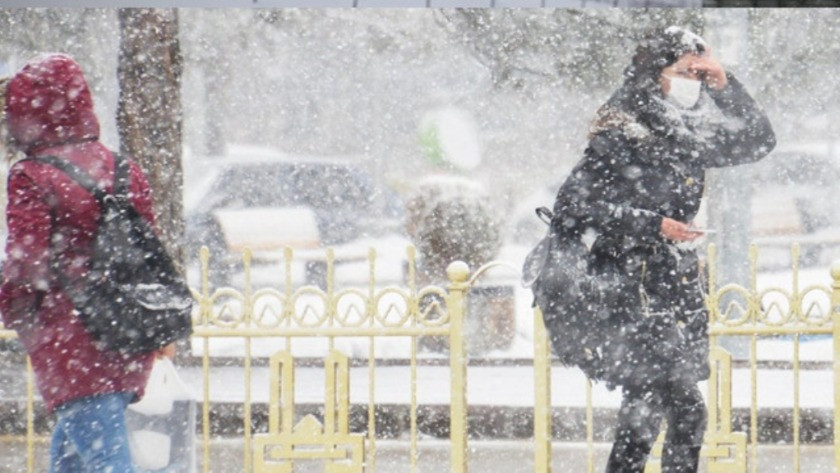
132	299
575	299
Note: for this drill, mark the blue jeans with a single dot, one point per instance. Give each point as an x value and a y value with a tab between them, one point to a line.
90	436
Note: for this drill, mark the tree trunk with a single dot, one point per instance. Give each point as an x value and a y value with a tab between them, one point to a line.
214	112
149	111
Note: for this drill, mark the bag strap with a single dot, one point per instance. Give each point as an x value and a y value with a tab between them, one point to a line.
85	180
545	215
87	183
122	177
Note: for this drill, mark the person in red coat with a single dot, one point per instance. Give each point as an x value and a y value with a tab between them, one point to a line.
52	222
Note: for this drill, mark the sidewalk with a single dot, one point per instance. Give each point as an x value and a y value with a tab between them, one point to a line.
226	455
500	400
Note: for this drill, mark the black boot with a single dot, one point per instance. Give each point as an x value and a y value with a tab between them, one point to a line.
628	457
680	459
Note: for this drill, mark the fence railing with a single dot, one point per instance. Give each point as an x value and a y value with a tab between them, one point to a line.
773	313
340	344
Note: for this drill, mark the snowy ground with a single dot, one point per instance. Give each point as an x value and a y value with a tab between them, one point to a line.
497	386
433	457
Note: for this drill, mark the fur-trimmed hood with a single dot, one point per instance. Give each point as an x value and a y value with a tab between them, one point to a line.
655	119
611	117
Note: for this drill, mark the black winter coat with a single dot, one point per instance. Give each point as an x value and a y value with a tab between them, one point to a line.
647	319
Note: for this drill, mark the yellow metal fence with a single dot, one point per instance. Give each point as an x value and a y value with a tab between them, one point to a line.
274	329
373	313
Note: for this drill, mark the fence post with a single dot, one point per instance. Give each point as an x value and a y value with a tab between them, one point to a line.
205	314
30	417
542	396
835	315
458	273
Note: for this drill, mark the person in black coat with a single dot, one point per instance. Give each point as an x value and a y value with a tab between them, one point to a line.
633	198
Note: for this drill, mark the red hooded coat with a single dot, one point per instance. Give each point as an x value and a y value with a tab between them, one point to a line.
52	222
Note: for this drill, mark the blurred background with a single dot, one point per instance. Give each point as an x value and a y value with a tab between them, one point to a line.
501	98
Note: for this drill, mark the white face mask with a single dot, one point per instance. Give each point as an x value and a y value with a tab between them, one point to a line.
683	92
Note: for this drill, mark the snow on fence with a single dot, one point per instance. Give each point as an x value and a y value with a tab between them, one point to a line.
407	345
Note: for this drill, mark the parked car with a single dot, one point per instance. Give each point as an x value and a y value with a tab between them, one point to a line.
793	199
803	175
265	200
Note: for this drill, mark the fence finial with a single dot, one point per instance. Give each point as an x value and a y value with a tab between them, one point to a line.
835	271
835	286
458	272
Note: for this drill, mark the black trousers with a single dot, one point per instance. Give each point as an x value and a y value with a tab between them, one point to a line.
643	407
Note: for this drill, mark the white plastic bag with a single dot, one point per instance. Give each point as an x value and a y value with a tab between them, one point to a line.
150	450
161	426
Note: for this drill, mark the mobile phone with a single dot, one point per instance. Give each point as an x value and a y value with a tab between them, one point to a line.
702	230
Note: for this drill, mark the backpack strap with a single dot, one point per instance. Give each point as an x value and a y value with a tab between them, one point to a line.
122	177
82	178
